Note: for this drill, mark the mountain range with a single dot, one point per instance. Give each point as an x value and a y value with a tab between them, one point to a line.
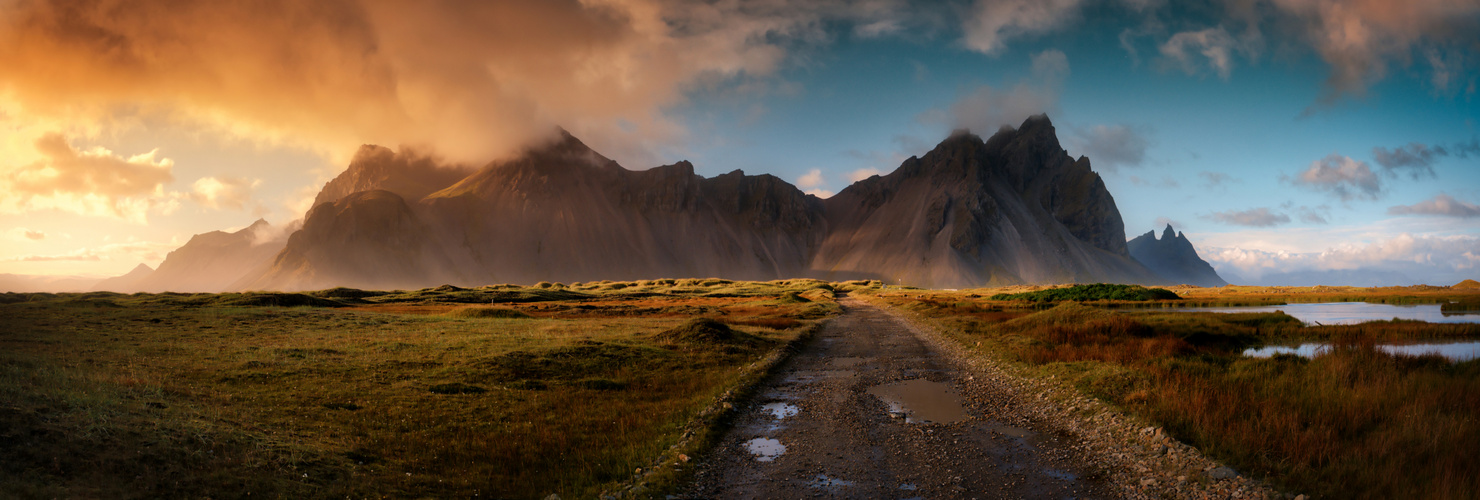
1013	208
1173	258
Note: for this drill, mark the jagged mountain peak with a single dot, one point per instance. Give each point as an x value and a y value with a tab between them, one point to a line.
1173	258
1011	208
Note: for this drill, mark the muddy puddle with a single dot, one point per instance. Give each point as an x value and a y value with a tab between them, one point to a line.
920	401
765	449
780	410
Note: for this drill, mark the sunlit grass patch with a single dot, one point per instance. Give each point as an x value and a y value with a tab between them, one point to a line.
498	391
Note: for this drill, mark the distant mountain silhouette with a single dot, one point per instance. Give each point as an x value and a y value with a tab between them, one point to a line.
209	262
1014	208
1174	259
127	282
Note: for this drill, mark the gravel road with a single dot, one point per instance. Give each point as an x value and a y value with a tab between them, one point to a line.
871	409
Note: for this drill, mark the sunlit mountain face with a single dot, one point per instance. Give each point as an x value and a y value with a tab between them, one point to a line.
1290	142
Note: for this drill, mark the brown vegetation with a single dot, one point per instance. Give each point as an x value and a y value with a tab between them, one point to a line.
1354	422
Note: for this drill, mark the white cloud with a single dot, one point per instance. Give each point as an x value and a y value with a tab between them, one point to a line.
1424	257
95	182
1111	146
810	180
23	234
1359	39
224	192
1215	46
987	108
820	193
1441	204
1417	158
1254	217
1214	180
131	251
1341	176
991	23
863	173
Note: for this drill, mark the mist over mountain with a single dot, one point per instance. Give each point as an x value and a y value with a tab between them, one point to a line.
210	262
407	174
1014	208
1173	258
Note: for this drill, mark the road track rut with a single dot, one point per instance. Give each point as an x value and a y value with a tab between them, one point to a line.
843	441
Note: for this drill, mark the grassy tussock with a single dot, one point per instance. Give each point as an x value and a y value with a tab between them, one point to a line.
1353	423
487	313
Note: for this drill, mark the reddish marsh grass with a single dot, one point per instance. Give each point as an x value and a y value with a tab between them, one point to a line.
1355	422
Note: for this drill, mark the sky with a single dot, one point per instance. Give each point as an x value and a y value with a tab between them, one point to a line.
1291	140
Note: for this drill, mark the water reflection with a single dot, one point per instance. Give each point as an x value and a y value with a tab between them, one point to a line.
1454	351
921	401
1348	313
765	449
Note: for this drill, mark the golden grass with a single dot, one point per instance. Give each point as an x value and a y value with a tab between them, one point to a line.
146	396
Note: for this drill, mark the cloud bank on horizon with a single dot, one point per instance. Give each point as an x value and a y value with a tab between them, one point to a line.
121	111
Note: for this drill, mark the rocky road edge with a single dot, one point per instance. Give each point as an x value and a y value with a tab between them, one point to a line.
704	432
1138	458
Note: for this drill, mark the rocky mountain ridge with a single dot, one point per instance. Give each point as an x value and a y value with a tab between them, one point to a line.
1013	208
1173	258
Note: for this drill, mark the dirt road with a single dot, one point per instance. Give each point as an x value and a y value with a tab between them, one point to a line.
871	409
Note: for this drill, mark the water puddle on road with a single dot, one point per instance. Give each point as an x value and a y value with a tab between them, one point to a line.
921	401
765	449
780	410
822	481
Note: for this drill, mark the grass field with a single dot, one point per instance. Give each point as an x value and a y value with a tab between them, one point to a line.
575	389
490	392
1353	423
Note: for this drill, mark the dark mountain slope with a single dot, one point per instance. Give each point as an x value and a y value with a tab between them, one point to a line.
1013	209
1174	259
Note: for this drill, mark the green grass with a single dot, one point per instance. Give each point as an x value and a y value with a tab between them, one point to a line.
1354	423
409	393
1093	292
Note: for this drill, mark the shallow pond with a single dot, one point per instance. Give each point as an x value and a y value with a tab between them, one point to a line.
1349	313
1454	351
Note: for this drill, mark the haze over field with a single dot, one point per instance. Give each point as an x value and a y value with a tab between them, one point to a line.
1291	142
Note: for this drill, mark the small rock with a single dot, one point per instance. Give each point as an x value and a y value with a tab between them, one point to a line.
1301	497
1148	482
553	497
1222	473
